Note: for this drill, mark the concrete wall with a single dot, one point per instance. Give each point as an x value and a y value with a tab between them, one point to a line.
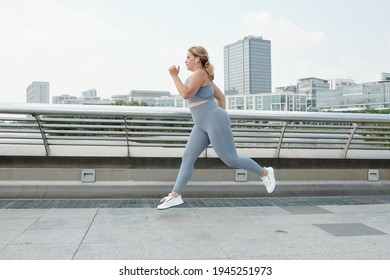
62	177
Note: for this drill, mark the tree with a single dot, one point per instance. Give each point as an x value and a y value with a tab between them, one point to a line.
132	103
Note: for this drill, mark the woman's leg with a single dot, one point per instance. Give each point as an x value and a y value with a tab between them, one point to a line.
196	144
222	141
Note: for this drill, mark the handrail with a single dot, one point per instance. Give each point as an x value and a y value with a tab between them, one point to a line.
128	131
142	111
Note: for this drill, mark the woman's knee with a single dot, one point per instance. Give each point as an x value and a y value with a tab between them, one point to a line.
231	161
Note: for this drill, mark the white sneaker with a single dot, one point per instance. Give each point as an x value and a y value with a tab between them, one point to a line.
170	201
164	198
269	180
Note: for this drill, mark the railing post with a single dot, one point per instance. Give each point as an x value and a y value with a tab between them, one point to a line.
127	137
44	138
355	126
278	147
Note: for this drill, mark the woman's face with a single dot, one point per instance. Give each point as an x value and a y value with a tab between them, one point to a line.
191	61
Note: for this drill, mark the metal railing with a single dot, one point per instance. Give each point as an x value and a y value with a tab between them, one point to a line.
100	130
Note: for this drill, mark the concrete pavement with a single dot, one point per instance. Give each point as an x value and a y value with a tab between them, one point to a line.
326	231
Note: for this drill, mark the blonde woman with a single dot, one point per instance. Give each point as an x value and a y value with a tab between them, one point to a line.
212	125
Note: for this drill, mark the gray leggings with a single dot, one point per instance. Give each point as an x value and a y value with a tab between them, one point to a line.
212	125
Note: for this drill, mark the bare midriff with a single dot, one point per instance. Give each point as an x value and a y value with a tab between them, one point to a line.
197	103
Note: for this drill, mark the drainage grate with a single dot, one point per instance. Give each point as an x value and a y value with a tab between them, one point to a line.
192	202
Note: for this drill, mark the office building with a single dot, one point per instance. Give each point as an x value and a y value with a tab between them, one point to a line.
120	97
278	101
65	99
385	76
373	95
310	87
89	96
38	92
247	66
290	88
335	83
147	96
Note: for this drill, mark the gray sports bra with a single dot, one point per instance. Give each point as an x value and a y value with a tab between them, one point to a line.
204	93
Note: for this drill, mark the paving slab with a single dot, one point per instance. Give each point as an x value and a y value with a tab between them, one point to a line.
61	223
16	223
235	230
186	249
349	229
39	251
50	236
299	210
22	213
114	251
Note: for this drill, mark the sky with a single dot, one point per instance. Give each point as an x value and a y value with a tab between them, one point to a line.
115	46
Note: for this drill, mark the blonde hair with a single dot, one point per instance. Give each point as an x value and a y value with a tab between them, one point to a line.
201	52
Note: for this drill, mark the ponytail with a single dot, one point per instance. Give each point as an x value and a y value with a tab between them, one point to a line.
201	52
209	69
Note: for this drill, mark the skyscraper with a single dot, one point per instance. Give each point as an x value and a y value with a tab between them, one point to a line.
38	92
247	66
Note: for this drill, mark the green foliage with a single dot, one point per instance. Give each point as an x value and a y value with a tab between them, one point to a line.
373	111
132	103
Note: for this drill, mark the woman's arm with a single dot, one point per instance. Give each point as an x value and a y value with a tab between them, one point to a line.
218	94
194	84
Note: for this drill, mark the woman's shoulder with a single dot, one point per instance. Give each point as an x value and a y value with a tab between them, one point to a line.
202	74
197	75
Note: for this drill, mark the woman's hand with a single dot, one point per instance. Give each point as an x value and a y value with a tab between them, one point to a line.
174	71
195	82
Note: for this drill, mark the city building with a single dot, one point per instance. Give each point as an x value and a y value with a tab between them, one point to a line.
282	101
148	96
373	95
38	92
335	83
89	96
175	101
119	97
278	101
290	88
385	76
65	99
310	87
247	66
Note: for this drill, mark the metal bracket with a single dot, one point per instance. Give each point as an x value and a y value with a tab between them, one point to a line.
349	140
278	147
127	137
44	138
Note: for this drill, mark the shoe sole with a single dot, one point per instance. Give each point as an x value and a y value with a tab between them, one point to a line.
170	207
273	173
272	190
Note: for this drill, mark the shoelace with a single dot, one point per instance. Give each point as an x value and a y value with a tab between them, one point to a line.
165	198
267	178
